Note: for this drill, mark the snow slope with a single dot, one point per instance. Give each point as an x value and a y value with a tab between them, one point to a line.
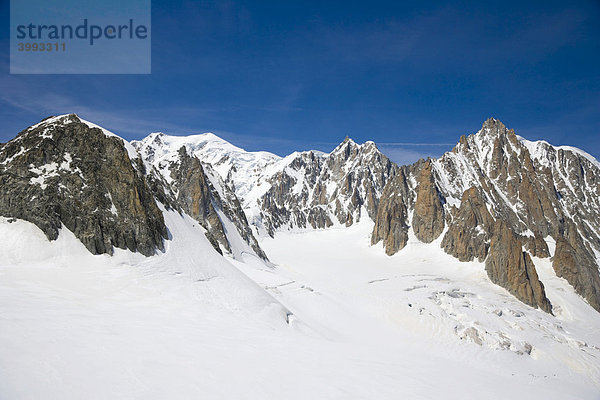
429	298
189	324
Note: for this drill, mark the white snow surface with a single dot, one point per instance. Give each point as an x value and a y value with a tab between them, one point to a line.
188	323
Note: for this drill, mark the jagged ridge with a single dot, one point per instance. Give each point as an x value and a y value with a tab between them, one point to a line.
495	175
495	197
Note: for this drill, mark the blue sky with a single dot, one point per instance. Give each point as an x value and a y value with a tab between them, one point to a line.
284	76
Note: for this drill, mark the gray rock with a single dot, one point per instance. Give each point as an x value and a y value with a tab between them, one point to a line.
575	262
198	196
355	175
66	173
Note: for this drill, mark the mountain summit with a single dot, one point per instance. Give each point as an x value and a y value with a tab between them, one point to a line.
67	171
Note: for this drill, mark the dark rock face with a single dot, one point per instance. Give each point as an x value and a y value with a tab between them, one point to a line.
468	234
296	196
510	267
200	199
65	172
536	245
195	198
428	216
182	181
391	223
576	263
538	191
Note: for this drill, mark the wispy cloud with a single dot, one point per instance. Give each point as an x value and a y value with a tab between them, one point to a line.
398	153
403	156
414	144
130	123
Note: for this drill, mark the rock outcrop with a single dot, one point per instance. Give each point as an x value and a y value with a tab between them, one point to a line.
65	172
209	201
391	222
195	198
428	216
468	235
509	266
575	262
535	189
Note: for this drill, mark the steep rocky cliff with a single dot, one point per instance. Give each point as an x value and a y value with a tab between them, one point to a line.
391	221
203	196
510	267
65	171
470	230
428	215
575	261
540	192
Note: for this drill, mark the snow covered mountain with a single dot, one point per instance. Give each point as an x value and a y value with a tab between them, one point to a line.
484	261
67	171
497	196
494	188
240	169
304	189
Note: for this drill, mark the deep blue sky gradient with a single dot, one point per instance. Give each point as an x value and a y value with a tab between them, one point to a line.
284	76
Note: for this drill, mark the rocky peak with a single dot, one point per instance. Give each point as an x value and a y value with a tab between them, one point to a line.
313	190
243	172
347	149
537	190
493	128
67	171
